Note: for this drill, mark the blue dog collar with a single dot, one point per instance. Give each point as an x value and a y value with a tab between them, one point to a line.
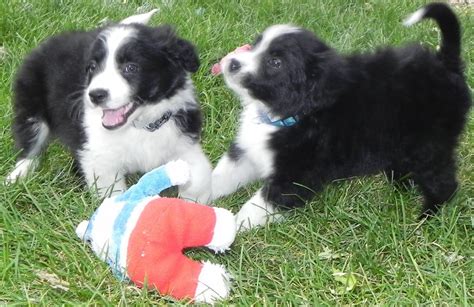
285	122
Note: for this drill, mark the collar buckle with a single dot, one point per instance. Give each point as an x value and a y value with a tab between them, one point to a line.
286	122
153	126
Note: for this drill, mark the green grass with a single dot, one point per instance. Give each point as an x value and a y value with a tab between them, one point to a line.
368	225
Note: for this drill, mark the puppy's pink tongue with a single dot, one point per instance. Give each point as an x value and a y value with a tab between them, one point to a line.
243	48
114	117
217	68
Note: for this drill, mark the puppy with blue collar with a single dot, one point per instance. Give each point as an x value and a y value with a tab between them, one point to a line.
311	116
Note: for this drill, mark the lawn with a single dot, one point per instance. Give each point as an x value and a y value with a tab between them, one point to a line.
357	242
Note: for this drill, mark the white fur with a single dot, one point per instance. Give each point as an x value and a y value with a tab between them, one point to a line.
198	188
22	168
415	17
25	166
273	32
42	134
224	230
230	175
140	18
257	160
213	283
110	78
256	212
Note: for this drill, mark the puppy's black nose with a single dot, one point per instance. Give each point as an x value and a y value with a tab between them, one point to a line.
98	96
234	65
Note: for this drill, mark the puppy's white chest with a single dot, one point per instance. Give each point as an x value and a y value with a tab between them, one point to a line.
253	137
130	149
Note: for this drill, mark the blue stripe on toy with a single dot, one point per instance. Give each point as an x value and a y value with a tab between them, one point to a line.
151	184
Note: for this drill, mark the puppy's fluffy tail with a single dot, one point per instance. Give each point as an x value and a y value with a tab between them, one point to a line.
450	49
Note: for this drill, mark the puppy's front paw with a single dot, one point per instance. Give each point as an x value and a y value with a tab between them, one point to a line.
250	216
244	222
256	212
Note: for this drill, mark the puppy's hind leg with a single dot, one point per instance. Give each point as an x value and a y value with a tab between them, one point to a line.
438	185
30	128
31	137
400	179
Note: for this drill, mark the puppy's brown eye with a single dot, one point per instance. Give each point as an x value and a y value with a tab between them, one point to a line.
92	67
130	68
274	62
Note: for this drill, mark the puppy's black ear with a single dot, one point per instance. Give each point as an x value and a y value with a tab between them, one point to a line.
184	53
178	51
328	78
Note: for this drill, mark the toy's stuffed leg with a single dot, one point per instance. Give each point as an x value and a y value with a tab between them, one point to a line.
192	225
157	256
183	278
215	229
213	281
176	275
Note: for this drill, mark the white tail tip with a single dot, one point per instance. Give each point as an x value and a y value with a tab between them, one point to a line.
414	18
140	18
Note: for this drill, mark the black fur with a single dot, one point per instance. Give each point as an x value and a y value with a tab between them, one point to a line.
189	121
48	88
398	110
235	152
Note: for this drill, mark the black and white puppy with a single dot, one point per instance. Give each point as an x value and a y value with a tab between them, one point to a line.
311	115
119	97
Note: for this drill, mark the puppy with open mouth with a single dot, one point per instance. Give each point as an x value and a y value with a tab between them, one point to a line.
119	97
311	115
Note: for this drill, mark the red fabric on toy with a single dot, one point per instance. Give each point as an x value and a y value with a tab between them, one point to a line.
155	249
